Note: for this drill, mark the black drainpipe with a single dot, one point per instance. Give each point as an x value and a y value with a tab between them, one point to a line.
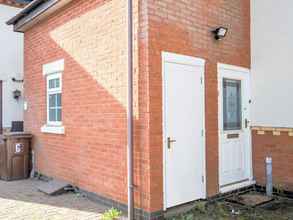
130	114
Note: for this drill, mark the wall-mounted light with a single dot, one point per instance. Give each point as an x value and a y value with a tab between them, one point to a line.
17	80
220	33
16	94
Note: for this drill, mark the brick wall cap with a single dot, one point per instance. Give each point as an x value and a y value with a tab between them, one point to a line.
259	128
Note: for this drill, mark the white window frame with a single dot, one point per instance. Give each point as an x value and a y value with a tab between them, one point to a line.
53	92
53	70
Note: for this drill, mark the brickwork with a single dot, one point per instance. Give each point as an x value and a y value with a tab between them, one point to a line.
280	148
184	27
92	38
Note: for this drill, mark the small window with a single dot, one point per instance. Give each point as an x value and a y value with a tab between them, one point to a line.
232	109
54	99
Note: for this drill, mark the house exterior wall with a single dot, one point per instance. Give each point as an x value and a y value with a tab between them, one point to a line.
184	27
11	63
272	75
91	37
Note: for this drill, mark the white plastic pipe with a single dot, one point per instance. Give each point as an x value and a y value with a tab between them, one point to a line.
269	174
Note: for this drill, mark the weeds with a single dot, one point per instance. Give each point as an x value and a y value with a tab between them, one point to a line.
111	214
200	206
279	189
228	211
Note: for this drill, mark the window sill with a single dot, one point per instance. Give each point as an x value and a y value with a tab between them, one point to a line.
53	129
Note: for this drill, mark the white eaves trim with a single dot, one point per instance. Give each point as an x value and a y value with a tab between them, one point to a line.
54	67
53	129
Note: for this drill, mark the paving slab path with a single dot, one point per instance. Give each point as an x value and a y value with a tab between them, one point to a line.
20	200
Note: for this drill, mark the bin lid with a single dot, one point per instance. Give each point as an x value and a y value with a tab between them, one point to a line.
16	135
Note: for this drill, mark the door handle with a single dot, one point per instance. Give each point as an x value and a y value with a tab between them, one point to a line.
170	141
246	122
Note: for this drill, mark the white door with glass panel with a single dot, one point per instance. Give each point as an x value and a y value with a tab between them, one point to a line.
184	156
234	130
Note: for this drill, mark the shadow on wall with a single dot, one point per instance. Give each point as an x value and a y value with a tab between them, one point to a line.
92	153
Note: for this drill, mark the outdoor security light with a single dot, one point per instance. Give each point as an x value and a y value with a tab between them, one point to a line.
220	33
16	94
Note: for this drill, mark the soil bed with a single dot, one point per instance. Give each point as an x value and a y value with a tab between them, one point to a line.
278	209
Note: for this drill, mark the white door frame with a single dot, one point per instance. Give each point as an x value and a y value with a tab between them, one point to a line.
245	71
186	60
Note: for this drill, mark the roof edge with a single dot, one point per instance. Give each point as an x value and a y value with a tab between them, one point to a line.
35	12
24	11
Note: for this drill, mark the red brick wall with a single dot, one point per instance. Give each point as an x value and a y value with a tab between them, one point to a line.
92	38
280	148
183	27
92	153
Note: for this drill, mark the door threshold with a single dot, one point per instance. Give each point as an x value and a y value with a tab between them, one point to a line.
239	185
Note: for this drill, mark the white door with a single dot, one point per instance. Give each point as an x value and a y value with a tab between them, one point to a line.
184	168
234	131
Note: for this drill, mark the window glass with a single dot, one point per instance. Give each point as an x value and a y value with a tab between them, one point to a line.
58	100
232	109
52	114
54	83
58	114
52	100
